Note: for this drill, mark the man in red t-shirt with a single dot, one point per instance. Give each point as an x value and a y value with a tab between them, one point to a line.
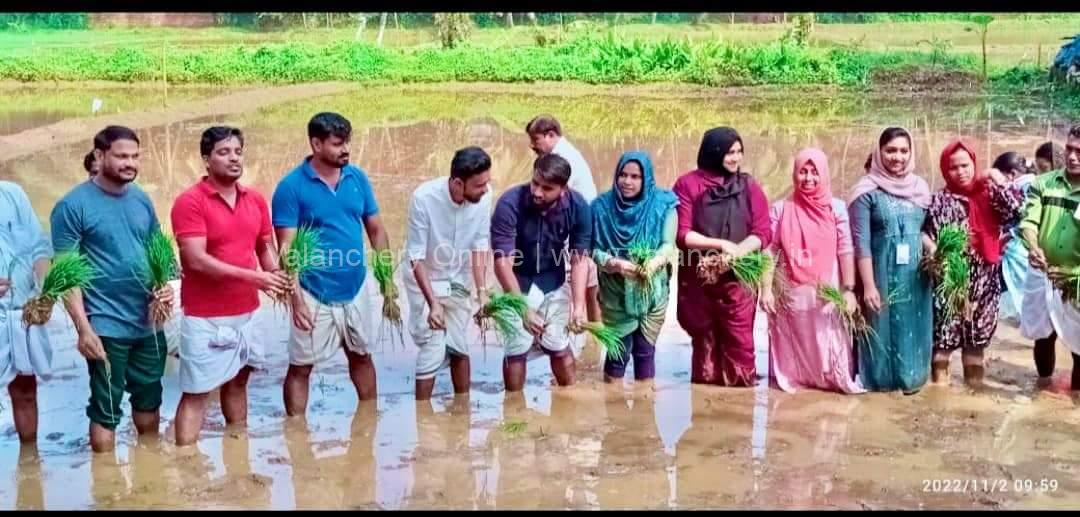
222	229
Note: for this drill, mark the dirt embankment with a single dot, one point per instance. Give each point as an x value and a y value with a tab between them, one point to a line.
73	130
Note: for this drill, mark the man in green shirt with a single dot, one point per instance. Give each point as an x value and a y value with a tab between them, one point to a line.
1051	229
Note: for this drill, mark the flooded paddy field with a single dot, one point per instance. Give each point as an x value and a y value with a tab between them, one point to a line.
665	445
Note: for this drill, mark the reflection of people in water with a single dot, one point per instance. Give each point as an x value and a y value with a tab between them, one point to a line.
633	463
442	473
553	463
29	489
340	481
808	479
713	456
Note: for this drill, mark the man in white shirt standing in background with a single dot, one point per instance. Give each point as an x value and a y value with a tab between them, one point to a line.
545	136
448	229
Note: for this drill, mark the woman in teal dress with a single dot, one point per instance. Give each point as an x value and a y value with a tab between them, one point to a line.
888	206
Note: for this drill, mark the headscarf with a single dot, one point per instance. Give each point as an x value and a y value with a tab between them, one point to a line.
808	225
722	211
983	222
910	187
619	222
714	146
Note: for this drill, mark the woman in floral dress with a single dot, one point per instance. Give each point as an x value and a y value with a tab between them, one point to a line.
982	202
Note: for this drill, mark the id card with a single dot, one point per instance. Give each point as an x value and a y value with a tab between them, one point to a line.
440	288
903	254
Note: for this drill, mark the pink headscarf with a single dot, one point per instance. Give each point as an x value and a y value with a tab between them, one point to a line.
910	187
808	225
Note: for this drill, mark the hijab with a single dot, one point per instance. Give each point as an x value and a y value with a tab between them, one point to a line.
619	222
807	229
983	222
909	187
722	211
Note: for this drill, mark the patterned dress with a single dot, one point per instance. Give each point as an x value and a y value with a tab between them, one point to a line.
974	332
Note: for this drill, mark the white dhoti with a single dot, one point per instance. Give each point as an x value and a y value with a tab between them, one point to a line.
1045	312
23	351
335	325
554	309
213	350
436	345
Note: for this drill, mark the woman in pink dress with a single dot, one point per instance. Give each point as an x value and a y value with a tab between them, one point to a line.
808	348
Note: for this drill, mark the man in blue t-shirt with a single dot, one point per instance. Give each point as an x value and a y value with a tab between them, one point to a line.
109	219
328	194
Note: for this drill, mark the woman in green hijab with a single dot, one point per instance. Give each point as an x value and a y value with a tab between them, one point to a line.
634	227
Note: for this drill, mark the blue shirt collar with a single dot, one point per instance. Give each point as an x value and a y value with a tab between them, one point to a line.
309	171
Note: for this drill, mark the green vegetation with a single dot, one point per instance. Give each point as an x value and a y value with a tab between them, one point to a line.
68	271
590	59
22	22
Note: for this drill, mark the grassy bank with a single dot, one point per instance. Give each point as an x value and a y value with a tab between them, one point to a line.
597	59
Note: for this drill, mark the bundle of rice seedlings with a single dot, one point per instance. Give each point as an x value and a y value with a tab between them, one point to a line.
504	310
162	268
850	317
299	258
712	267
1068	284
605	336
951	268
382	267
68	271
640	254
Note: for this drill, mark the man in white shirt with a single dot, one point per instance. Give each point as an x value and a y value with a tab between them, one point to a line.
448	230
25	353
545	136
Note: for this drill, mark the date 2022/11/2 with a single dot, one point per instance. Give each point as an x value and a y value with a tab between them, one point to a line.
965	485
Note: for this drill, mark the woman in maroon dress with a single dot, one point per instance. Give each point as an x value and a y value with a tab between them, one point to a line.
721	209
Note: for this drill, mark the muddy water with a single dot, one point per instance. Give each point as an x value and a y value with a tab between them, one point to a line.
668	445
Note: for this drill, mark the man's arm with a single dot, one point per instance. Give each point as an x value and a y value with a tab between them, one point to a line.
416	241
196	258
503	243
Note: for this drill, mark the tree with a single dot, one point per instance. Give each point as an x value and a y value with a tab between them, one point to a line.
982	23
453	28
382	29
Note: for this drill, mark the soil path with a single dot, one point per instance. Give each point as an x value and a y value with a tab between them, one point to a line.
76	129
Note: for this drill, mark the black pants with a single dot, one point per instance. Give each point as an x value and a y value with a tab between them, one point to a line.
1045	359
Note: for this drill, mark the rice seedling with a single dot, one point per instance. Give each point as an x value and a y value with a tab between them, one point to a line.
1068	282
505	311
162	268
851	318
382	268
611	342
513	428
69	270
750	270
640	254
712	267
299	258
950	269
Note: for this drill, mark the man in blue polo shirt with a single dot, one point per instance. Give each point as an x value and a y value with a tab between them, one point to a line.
328	194
530	230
